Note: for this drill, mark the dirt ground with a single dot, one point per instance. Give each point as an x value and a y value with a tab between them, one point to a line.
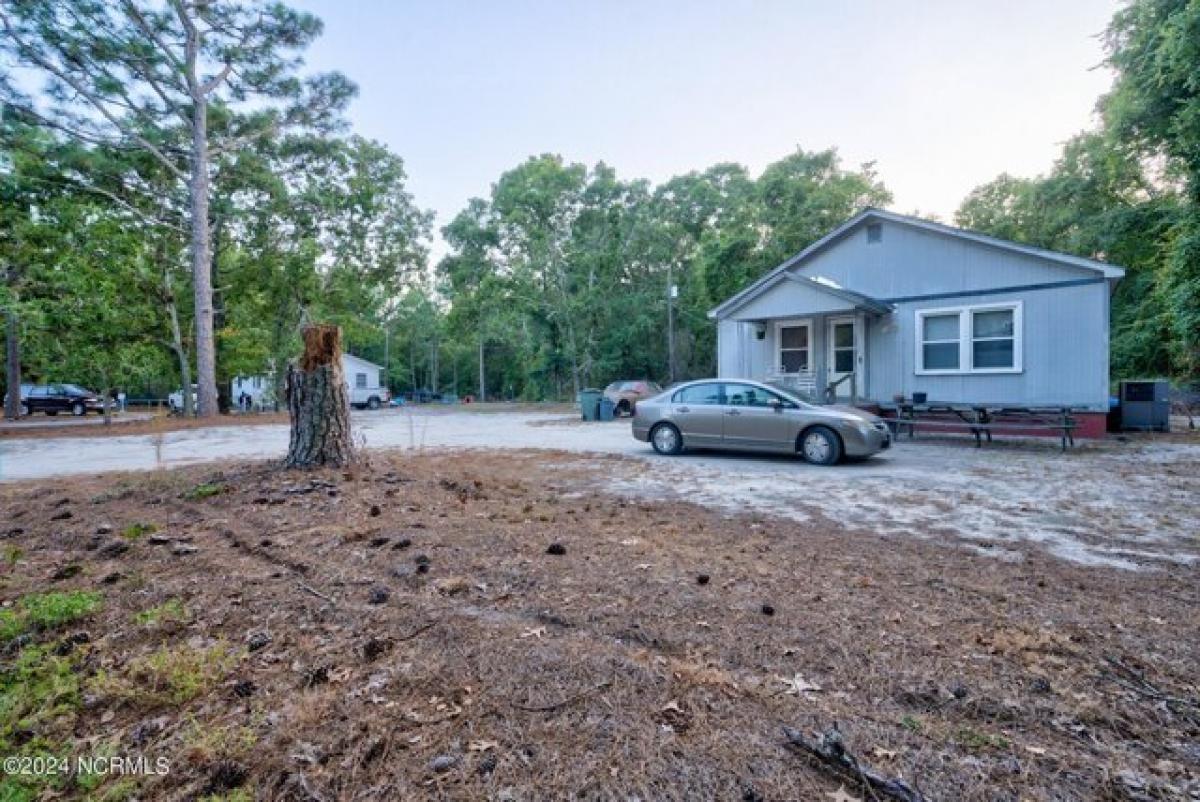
402	631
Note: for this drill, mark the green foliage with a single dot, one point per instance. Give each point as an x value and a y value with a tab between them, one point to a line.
138	530
168	676
562	273
205	490
171	611
1129	192
39	694
977	741
44	611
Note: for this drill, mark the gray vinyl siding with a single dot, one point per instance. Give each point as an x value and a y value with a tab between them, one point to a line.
1064	352
910	261
1065	328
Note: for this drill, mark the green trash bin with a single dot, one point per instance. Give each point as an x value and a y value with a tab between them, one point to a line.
589	404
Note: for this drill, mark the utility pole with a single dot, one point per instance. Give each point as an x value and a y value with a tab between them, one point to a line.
387	356
482	374
672	294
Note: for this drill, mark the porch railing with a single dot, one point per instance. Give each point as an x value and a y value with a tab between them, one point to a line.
831	389
803	383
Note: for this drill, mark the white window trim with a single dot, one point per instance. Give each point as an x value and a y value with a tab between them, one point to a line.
966	339
805	322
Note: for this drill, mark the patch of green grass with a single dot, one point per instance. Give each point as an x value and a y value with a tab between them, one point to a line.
236	795
169	676
41	611
205	490
208	742
978	741
138	530
12	554
171	611
39	696
911	723
123	789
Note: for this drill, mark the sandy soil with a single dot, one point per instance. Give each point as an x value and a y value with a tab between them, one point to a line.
308	655
1127	504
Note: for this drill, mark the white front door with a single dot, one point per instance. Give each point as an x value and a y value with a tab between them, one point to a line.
843	339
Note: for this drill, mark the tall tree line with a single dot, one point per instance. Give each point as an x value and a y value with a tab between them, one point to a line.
1128	191
561	277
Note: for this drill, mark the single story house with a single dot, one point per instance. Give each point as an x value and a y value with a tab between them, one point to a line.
888	305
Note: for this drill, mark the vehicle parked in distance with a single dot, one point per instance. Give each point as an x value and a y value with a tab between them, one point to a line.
55	398
625	395
422	396
369	397
745	415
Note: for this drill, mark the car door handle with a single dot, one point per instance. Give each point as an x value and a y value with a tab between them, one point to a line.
684	409
732	412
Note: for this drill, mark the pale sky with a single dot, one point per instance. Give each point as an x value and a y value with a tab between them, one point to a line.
941	95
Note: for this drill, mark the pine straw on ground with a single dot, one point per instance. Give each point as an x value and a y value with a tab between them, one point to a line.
607	672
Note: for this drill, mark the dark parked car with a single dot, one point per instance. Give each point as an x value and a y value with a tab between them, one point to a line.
422	396
55	398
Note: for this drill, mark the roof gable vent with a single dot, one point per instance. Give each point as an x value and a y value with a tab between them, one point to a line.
874	232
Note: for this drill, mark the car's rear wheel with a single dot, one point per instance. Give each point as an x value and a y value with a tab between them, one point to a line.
820	446
78	409
372	403
666	439
52	412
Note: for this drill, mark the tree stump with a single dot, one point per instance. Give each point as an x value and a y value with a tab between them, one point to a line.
319	403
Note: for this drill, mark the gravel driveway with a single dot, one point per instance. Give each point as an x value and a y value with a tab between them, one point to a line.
1124	505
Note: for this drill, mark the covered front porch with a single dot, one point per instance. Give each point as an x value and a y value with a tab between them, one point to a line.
808	335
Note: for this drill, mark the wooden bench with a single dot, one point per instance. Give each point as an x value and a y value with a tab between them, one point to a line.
981	420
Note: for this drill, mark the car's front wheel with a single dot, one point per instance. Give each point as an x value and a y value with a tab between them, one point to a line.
666	439
373	403
820	446
24	410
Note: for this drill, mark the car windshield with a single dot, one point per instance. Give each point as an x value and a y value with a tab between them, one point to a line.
804	399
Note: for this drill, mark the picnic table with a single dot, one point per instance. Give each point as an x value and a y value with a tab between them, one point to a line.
983	419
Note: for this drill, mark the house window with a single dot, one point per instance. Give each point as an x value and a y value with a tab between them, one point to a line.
940	341
969	339
360	380
993	339
794	347
874	233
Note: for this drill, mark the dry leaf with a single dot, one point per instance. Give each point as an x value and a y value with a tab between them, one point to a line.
840	795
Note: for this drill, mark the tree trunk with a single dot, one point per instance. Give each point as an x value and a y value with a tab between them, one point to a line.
12	366
185	367
206	356
318	403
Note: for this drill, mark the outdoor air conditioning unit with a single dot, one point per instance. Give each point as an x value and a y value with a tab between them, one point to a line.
1145	405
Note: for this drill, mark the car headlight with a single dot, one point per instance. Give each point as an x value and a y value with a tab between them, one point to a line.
863	427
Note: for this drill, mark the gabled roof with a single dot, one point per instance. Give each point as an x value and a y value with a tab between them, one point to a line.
1102	268
360	359
855	299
